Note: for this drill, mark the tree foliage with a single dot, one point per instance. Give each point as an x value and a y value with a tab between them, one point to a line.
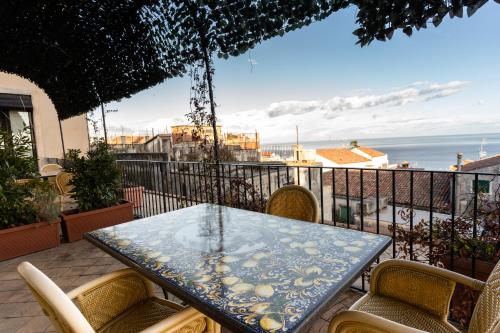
83	53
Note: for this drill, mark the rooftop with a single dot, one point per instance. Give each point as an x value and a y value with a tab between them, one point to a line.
483	163
372	152
421	187
341	155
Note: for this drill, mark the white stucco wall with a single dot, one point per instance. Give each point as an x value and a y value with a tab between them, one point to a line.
45	120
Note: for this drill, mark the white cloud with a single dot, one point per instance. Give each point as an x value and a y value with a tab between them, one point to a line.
403	111
400	112
418	91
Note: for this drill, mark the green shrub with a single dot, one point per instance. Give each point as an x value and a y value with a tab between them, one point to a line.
96	177
26	202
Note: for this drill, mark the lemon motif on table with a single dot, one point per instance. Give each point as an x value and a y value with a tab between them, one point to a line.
358	243
340	243
311	251
203	279
313	270
286	240
270	323
230	280
301	282
163	259
242	288
260	308
229	259
264	290
124	242
250	263
260	255
152	255
352	248
221	268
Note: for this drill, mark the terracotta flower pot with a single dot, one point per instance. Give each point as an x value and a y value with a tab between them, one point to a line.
134	194
25	239
75	224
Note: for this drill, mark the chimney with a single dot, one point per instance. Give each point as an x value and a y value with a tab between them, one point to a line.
354	144
459	161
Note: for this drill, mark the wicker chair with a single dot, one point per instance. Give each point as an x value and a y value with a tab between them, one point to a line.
65	191
295	202
118	302
412	297
50	168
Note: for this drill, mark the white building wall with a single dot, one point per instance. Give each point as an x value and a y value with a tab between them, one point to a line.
45	120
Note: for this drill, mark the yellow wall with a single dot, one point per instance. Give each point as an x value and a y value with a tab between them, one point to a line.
45	120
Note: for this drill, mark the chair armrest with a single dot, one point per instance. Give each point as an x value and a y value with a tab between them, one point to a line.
108	278
362	322
189	319
427	287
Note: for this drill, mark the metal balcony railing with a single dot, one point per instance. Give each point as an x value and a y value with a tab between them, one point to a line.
445	218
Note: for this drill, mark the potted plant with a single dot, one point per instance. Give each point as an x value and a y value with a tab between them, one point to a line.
96	188
28	211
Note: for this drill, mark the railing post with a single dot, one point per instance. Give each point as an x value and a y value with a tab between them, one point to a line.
162	167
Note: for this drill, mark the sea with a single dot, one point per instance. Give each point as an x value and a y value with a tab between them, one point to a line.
428	152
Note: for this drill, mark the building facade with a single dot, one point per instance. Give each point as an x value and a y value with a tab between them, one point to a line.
487	185
26	107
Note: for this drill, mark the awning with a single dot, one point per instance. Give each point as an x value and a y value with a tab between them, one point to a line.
15	102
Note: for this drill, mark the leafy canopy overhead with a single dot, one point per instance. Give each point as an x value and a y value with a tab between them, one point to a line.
83	53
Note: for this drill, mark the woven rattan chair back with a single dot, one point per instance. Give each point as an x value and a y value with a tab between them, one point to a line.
58	307
486	316
62	182
50	168
295	202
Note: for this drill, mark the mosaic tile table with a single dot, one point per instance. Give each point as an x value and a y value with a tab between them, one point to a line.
249	271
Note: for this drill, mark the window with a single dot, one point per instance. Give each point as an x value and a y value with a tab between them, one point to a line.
16	116
345	214
483	186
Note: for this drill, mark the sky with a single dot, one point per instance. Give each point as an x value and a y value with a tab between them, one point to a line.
443	80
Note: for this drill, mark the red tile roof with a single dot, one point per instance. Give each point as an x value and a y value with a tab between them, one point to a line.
372	152
421	187
341	155
484	163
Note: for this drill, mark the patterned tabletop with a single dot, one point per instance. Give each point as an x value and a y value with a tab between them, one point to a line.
261	273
